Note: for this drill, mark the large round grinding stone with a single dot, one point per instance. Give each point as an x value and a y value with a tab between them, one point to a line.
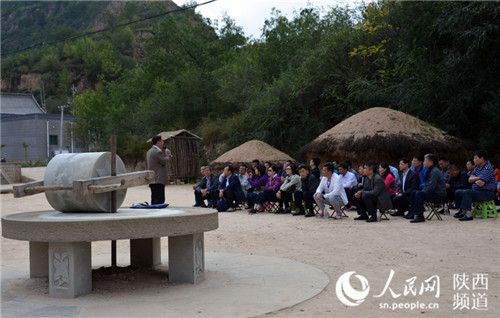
63	169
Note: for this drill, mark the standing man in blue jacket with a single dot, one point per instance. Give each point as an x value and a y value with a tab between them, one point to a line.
434	189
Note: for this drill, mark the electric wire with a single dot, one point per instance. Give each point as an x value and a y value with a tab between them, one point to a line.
34	46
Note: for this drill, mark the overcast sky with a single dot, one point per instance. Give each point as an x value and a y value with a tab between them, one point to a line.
250	14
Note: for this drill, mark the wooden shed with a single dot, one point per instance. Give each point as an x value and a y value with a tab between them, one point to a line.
185	161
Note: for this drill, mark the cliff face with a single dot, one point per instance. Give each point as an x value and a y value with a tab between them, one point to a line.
113	8
26	82
29	24
25	23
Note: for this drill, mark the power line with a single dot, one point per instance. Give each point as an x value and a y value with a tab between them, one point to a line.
34	46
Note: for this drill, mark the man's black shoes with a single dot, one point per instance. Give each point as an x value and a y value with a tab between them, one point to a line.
466	218
418	219
398	213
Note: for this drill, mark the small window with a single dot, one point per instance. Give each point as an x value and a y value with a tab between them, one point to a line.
53	140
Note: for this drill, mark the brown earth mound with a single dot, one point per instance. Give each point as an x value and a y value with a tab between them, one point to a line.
383	132
250	150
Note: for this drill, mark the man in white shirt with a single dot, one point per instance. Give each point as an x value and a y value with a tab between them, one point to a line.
330	191
350	169
349	181
242	175
348	178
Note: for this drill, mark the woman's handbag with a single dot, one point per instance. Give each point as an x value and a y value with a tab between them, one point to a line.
222	205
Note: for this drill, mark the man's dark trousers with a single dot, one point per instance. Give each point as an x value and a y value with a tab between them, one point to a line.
367	203
157	193
306	196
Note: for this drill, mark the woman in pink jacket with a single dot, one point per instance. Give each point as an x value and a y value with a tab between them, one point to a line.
389	179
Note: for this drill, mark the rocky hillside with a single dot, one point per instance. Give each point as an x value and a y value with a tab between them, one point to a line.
30	56
27	23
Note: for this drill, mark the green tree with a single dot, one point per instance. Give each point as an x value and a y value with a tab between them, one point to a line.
435	60
93	120
447	65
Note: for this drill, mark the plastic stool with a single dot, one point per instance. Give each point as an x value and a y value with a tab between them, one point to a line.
485	208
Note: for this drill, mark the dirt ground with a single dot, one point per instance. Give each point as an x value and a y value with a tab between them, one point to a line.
459	258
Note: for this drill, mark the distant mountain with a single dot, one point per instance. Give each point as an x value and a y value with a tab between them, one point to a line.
27	23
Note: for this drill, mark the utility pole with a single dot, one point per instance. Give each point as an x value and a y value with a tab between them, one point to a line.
72	142
62	125
73	90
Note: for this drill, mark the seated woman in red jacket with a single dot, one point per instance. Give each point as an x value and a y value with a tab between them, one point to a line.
389	179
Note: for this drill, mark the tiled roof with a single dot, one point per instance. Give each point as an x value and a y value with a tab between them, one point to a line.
165	135
19	104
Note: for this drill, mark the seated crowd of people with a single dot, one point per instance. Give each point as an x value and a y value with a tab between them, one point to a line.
371	189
